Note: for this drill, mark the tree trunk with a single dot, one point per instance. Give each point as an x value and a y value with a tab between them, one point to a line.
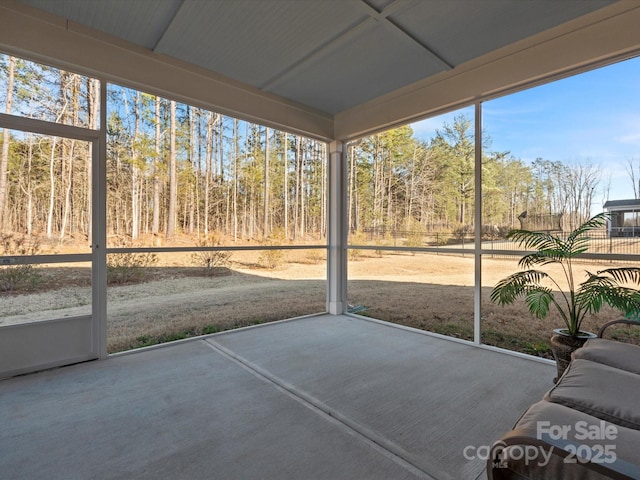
302	212
67	195
352	190
52	187
136	209
195	165
265	223
208	171
296	200
155	227
286	186
173	178
4	156
235	180
93	101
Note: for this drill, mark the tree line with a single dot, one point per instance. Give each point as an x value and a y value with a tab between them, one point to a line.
177	169
399	182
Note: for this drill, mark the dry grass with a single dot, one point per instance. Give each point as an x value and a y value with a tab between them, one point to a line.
426	291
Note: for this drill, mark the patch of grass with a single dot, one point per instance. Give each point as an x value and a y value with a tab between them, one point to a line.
627	334
455	330
209	329
538	347
149	340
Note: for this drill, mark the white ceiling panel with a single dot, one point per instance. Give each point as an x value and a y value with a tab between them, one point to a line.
254	41
460	31
372	63
138	21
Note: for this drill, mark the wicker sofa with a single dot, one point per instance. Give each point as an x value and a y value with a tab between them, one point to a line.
586	427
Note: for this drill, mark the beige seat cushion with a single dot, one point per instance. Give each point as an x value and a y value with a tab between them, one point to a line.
599	390
548	454
610	352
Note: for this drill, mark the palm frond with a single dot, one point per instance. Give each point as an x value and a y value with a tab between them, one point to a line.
606	287
595	222
516	285
599	290
540	258
535	240
623	274
538	300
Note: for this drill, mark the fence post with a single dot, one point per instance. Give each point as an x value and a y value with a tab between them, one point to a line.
610	244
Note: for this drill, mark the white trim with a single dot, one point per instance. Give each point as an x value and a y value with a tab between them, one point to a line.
212	249
40	259
46	320
99	230
32	125
477	283
337	302
33	346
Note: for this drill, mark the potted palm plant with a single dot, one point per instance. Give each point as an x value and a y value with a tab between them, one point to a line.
571	299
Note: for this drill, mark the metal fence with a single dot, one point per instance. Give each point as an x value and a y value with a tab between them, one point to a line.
494	246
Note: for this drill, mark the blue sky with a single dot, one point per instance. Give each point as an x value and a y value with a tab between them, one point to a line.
591	118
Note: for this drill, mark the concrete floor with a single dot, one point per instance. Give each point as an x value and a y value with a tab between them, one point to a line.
320	397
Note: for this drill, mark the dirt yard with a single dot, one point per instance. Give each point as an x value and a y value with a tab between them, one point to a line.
426	291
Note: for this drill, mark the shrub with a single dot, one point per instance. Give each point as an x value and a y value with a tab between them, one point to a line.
415	238
357	238
316	256
22	276
272	259
128	267
463	232
440	239
212	260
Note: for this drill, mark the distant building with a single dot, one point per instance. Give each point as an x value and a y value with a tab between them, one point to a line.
625	217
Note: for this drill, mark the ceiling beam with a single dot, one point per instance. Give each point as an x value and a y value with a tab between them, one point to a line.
384	20
334	43
168	25
601	37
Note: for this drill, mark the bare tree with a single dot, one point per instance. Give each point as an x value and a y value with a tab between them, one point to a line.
4	156
580	185
173	176
265	228
633	169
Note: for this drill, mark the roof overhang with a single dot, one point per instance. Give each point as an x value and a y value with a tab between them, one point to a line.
603	36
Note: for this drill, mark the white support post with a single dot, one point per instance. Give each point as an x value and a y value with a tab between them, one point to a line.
477	297
337	233
99	229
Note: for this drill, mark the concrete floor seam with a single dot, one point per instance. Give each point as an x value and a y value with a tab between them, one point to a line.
379	444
